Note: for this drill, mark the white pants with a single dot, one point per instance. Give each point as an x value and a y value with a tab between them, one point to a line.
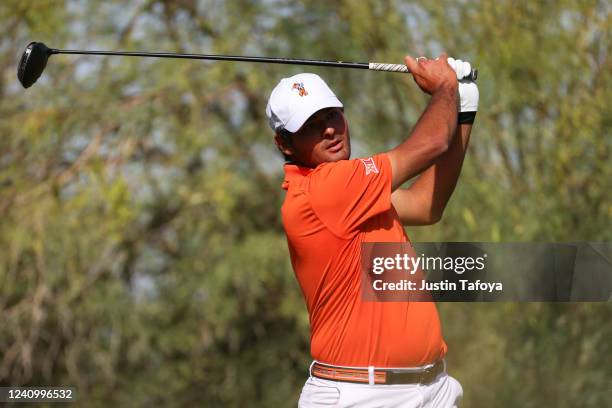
444	392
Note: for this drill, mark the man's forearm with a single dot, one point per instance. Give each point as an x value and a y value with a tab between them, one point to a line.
436	184
439	120
423	203
430	138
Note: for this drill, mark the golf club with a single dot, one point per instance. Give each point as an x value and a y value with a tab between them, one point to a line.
34	60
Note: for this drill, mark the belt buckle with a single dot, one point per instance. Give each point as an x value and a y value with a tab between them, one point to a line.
430	373
424	376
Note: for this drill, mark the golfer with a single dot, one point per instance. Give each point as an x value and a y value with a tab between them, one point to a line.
368	354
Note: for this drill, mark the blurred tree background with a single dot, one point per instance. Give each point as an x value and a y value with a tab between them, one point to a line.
142	257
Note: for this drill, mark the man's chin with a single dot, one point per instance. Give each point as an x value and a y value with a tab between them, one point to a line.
341	155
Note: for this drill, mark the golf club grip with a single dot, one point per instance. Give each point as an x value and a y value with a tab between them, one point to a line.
379	66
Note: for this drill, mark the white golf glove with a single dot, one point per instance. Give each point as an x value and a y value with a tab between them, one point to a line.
468	96
461	68
468	90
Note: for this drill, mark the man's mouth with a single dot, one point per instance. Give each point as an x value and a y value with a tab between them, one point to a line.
335	147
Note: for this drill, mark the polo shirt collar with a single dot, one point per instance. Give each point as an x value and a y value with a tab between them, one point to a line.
294	172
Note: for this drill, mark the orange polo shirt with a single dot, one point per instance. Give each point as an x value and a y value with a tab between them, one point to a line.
328	212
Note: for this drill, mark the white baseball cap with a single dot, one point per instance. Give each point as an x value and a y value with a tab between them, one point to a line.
297	98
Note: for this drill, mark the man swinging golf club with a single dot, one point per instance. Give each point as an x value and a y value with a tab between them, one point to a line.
387	354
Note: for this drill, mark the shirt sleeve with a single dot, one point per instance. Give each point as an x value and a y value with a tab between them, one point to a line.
347	193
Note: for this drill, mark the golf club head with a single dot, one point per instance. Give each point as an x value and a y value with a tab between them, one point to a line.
32	63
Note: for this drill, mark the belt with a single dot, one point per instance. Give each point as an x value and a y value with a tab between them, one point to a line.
381	375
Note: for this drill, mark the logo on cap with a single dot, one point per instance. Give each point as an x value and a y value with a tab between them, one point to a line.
300	87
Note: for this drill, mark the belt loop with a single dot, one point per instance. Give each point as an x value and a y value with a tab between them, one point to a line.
371	375
310	368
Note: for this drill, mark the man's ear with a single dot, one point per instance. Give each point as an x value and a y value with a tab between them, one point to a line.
282	146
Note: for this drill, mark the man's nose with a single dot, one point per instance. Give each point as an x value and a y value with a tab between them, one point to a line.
329	132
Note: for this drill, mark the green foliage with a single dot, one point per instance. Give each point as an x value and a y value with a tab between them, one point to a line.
142	257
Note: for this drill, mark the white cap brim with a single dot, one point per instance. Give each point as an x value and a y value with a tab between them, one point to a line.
301	116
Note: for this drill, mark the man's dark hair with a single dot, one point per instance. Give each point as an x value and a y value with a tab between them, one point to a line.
287	137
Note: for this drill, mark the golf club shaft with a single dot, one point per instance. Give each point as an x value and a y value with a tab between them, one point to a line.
342	64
